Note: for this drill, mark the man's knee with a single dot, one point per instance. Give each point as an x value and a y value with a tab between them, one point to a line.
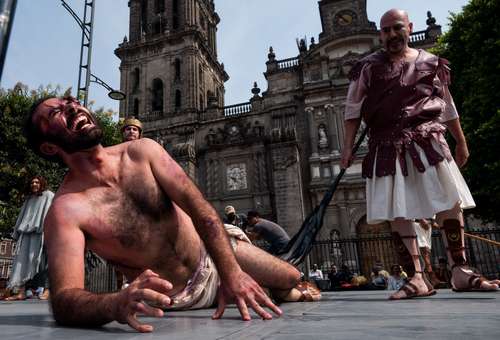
293	276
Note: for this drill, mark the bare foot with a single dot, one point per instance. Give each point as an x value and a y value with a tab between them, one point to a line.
304	291
17	297
415	288
464	279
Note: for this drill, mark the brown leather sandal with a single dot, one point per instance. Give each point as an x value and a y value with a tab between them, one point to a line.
474	284
412	291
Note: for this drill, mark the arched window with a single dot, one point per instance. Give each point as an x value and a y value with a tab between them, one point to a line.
157	102
136	73
178	99
136	108
177	66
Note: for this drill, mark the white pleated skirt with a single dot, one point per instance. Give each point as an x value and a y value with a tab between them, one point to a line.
418	195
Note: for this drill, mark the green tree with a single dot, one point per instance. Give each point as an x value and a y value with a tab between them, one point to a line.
472	45
17	162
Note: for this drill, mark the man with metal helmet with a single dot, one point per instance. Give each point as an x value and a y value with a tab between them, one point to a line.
132	129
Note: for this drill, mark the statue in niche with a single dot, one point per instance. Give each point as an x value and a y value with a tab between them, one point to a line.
258	129
323	138
211	137
236	177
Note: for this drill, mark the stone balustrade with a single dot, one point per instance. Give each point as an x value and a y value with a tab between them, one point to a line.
288	63
418	36
237	109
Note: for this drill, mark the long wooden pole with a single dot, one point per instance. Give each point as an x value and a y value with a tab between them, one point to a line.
495	243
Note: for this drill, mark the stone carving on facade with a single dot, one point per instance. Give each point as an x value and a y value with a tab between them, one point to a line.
282	162
235	132
347	61
236	175
318	114
258	129
364	144
322	137
182	150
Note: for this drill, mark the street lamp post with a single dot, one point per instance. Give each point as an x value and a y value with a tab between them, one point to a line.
7	10
85	76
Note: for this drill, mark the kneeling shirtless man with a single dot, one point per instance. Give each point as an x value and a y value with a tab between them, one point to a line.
133	205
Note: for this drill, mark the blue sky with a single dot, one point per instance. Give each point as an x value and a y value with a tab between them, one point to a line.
45	41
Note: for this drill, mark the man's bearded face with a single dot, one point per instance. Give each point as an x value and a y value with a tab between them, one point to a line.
395	33
68	125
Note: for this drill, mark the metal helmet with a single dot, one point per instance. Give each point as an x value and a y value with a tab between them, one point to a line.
134	122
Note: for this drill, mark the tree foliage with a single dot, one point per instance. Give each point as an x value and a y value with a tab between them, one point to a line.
472	45
17	162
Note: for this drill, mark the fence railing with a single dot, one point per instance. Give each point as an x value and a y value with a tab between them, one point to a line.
360	254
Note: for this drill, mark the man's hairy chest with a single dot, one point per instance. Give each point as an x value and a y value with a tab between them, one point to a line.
133	213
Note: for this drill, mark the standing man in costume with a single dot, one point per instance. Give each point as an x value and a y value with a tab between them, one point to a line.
402	95
132	129
30	261
134	206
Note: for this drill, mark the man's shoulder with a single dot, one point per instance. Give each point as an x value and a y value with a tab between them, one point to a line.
67	203
141	148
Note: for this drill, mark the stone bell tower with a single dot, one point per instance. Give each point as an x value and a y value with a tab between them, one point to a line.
343	18
169	67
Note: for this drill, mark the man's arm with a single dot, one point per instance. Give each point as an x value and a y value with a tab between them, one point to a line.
183	192
351	126
74	306
461	149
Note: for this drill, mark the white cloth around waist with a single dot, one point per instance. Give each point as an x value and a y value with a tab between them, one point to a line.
418	195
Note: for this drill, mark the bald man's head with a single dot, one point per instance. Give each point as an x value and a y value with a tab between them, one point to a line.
394	13
395	30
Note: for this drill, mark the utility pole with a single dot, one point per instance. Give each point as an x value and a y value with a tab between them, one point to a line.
7	11
85	76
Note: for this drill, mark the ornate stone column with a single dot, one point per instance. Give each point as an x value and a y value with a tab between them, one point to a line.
331	111
312	130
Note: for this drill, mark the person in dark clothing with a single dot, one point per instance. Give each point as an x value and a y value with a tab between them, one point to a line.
231	217
275	235
345	275
334	277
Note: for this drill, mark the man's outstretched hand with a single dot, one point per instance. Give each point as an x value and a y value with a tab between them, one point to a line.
132	300
245	292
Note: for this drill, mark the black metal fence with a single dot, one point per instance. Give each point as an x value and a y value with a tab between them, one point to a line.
360	254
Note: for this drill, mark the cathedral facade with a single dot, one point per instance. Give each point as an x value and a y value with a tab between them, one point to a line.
276	153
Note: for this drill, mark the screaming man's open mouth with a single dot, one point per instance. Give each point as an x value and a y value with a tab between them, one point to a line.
78	123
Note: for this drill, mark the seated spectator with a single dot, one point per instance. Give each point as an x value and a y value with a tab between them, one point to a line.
396	279
315	273
379	276
333	276
345	275
358	282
